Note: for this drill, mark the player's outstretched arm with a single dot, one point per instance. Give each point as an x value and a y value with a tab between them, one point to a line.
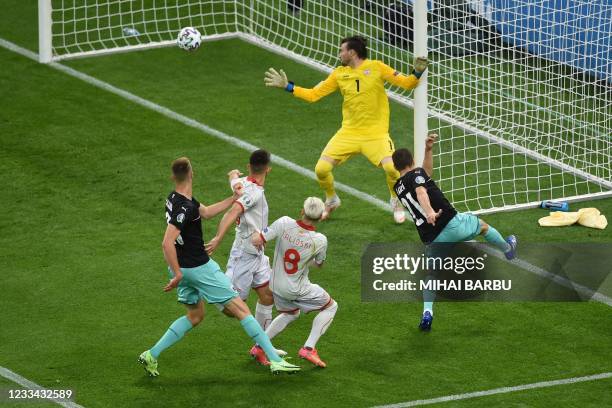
213	210
428	159
210	211
170	237
278	79
405	81
423	200
226	222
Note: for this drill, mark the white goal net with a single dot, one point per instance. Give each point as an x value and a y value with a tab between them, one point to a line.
520	91
89	27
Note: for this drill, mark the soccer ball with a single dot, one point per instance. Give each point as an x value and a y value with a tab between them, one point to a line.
189	39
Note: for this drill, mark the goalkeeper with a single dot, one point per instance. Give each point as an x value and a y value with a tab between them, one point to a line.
365	115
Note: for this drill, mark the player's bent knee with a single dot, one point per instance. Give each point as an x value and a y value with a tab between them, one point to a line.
484	227
196	317
323	168
266	300
195	320
237	308
195	313
227	312
332	307
265	296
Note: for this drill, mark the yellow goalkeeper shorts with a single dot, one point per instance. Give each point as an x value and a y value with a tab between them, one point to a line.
343	145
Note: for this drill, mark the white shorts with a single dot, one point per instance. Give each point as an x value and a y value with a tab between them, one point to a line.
315	299
247	271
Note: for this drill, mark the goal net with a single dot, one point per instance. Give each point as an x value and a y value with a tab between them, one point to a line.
520	91
77	28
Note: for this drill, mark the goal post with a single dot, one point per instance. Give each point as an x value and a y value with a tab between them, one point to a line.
519	91
518	122
45	47
420	92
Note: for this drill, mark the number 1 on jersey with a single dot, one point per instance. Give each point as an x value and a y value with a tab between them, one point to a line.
357	84
291	259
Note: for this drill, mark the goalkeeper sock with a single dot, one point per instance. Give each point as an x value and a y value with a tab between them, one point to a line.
494	237
176	332
253	329
392	175
263	315
323	170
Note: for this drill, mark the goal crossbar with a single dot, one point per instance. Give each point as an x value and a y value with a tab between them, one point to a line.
568	139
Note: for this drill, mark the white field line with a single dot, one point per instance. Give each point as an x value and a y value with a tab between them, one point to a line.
291	166
24	382
502	390
192	123
249	147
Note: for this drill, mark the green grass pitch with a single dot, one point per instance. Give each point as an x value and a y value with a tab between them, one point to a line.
84	176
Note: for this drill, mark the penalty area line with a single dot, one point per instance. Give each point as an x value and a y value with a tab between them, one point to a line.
24	382
250	147
495	391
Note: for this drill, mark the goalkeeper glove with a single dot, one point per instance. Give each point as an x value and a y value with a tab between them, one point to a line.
278	80
420	65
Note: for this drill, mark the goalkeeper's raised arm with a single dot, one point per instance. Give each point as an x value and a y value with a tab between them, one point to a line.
405	81
279	79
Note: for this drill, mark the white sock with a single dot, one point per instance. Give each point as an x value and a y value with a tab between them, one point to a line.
263	315
320	324
280	322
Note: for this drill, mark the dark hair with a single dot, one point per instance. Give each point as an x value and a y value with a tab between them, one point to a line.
259	161
402	158
181	168
357	44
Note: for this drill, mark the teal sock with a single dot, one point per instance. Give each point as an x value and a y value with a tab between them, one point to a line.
254	330
428	306
494	237
176	332
429	296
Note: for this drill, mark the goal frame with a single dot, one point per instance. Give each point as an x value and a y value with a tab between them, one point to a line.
420	105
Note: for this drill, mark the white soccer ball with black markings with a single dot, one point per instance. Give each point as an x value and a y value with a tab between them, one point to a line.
189	39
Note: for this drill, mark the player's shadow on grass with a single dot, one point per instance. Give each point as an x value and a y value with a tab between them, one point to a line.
248	373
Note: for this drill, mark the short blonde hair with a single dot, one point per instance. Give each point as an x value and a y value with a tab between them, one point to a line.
313	208
181	168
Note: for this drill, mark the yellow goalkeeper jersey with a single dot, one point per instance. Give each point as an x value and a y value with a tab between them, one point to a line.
365	109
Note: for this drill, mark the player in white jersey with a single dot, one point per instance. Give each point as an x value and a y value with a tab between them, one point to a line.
248	267
298	247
